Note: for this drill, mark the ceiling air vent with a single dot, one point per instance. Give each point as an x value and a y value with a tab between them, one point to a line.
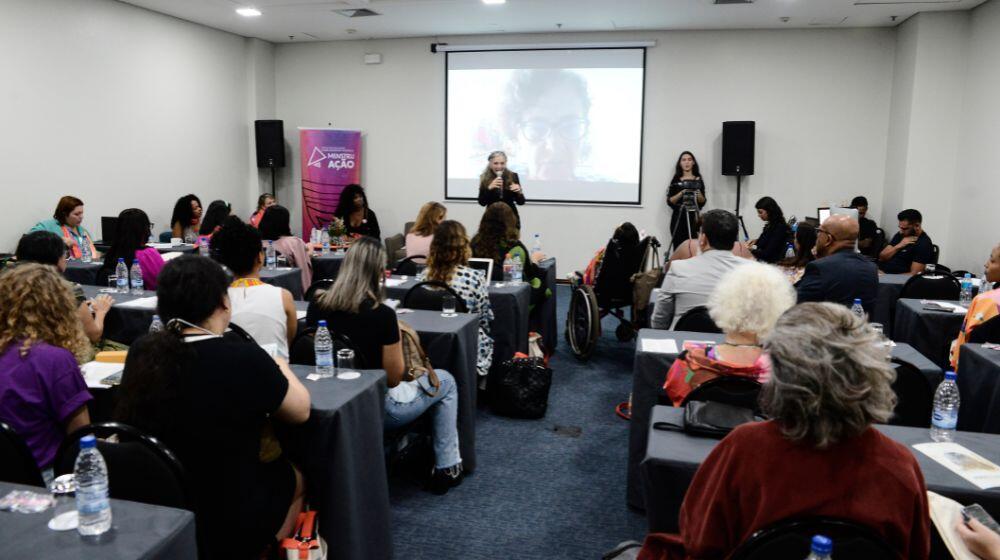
718	2
357	12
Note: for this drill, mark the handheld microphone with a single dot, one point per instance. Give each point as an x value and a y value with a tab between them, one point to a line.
500	176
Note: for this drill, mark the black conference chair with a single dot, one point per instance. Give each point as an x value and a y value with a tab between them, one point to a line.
937	252
408	266
697	319
407	227
166	236
914	396
924	286
961	274
429	295
988	331
17	464
395	248
238	333
140	467
728	389
302	350
317	287
942	269
792	539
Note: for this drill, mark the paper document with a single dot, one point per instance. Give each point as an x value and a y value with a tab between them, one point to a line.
163	246
964	462
391	303
171	255
300	314
393	282
94	372
140	303
944	513
944	306
659	345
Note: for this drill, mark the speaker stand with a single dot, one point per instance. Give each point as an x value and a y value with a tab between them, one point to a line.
739	217
274	187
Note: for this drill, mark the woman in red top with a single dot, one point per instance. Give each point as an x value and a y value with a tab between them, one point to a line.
818	456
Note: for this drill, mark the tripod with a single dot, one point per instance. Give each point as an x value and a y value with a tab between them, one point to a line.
739	217
689	205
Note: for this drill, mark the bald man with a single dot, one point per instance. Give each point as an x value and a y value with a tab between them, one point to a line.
839	274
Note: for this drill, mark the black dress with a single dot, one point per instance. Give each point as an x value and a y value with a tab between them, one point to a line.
678	225
772	243
488	196
369	225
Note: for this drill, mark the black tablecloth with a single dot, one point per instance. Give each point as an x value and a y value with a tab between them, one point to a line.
139	531
287	278
979	389
930	332
543	317
327	266
124	324
650	371
85	273
673	457
510	316
339	450
889	286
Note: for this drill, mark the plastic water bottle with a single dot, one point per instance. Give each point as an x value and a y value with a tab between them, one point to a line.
794	224
135	274
858	309
323	345
944	419
156	325
269	257
821	548
536	245
85	255
121	276
517	272
325	241
92	503
203	246
790	251
508	268
965	297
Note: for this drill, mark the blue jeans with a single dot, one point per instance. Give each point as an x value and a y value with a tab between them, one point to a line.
444	413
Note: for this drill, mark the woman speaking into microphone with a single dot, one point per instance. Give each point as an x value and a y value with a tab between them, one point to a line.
686	197
499	184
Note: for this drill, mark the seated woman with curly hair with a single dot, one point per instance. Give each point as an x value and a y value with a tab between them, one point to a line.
499	236
819	455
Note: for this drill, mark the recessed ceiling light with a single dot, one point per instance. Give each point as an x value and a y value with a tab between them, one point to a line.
248	12
494	1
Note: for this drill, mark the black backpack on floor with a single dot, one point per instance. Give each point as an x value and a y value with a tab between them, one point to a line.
519	388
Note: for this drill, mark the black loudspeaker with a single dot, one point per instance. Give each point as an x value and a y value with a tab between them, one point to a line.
270	138
737	147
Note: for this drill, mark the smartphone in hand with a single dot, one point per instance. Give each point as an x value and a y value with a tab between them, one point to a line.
976	511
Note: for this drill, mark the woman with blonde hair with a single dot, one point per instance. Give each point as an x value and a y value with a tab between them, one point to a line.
819	455
418	239
745	304
41	345
447	262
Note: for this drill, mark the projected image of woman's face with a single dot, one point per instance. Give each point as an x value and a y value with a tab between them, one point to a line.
551	131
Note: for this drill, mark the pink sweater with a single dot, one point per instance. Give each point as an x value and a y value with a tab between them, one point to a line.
418	244
151	263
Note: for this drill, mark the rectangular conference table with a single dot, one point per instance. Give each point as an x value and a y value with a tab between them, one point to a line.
510	315
979	389
139	531
672	458
327	266
340	452
929	332
450	344
889	287
650	371
86	273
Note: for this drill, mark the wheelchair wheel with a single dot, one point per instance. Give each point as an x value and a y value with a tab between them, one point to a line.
583	322
624	332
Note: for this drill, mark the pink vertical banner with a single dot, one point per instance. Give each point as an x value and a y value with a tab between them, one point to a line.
331	160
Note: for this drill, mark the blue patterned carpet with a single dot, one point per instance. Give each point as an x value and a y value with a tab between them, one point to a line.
537	493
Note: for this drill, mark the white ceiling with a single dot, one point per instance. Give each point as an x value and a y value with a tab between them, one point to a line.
315	20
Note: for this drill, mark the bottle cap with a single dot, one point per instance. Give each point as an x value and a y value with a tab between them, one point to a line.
858	300
322	323
156	317
121	259
88	442
822	545
950	375
967	275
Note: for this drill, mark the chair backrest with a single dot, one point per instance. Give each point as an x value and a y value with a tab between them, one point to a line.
408	266
961	274
936	251
17	464
140	467
914	396
165	236
318	287
936	286
394	245
729	389
302	350
428	295
792	539
613	285
988	331
697	319
942	269
236	332
407	227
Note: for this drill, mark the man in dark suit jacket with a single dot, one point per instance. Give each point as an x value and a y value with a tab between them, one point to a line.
840	274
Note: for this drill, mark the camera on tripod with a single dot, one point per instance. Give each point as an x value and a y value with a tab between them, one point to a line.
689	202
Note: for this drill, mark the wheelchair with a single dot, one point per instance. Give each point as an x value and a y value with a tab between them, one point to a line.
610	293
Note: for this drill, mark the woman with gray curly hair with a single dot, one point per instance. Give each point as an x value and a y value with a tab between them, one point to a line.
818	455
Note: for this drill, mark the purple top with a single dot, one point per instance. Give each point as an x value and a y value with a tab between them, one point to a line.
151	263
38	393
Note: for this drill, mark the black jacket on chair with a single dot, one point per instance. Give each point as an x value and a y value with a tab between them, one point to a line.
840	278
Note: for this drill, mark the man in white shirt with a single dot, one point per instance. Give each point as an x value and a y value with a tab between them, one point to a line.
689	282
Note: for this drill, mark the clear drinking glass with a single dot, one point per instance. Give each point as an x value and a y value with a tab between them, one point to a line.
448	304
64	517
345	364
112	285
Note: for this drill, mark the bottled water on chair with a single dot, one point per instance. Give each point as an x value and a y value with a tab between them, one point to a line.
944	419
965	296
92	504
121	276
135	276
323	346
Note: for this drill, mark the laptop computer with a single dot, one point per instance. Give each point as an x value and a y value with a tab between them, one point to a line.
486	265
109	226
